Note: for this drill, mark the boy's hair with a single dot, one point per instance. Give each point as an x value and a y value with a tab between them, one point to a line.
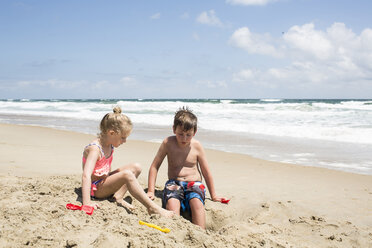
185	119
116	121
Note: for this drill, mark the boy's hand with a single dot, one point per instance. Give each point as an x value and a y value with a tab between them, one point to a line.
151	195
217	198
220	199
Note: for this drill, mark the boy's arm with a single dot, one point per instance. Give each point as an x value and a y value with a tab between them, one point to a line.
207	174
154	168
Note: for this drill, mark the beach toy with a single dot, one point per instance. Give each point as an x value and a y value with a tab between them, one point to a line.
225	201
87	209
165	230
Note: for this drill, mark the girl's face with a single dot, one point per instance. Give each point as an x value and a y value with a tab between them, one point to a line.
117	138
183	137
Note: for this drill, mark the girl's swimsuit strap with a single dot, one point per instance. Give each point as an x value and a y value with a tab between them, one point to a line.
100	148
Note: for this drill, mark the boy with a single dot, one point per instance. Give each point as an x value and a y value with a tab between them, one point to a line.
184	188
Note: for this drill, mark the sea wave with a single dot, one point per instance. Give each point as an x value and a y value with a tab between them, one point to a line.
332	120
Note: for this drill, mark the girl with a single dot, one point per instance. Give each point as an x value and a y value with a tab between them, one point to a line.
98	181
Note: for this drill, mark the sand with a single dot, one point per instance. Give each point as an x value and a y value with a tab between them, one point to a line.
272	204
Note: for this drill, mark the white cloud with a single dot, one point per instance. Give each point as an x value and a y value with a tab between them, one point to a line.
57	84
57	88
100	85
365	40
212	84
185	16
308	40
318	59
243	75
128	81
51	83
253	43
23	83
155	16
209	18
250	2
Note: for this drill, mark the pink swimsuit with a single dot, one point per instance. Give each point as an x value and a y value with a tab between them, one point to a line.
102	167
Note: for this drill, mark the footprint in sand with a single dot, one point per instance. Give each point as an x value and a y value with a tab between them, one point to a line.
265	205
320	219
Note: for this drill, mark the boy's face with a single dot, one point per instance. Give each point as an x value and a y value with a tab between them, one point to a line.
183	137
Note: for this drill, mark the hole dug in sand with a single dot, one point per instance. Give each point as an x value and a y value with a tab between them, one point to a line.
216	219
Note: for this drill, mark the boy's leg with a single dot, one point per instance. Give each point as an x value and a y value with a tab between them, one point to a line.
197	212
173	194
174	205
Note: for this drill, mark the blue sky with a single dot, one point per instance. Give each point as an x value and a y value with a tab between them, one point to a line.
185	49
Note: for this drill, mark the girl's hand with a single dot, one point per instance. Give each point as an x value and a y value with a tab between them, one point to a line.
95	205
92	204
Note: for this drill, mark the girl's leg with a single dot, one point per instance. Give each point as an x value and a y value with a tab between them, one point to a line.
197	212
116	181
119	195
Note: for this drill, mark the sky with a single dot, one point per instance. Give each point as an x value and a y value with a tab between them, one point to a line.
81	49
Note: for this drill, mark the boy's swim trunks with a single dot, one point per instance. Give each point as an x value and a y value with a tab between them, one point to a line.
184	192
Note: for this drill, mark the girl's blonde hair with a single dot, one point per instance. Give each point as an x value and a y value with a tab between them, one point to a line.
116	121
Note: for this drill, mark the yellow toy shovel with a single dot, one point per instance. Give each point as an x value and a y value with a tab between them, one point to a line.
165	230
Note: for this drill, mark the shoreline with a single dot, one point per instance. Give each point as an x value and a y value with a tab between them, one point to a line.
153	145
349	157
277	204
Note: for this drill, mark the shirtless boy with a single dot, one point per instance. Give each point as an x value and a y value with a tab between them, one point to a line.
186	165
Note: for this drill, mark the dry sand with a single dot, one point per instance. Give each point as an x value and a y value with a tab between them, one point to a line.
272	204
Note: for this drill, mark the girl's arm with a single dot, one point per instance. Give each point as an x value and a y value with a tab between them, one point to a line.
93	154
154	168
207	174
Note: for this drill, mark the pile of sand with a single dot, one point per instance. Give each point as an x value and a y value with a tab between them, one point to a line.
33	213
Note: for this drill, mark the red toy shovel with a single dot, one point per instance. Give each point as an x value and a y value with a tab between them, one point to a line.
87	209
225	201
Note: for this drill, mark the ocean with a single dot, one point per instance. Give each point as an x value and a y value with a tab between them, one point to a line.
334	134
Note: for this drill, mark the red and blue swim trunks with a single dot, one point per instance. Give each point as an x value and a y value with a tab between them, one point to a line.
184	192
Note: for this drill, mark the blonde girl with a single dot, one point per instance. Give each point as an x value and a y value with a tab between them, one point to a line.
99	181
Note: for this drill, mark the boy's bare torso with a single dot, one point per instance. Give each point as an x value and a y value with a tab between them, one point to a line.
183	161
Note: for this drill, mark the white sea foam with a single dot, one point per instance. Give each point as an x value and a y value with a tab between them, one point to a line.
311	121
270	100
345	121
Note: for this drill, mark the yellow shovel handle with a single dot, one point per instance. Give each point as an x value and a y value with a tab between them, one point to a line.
166	230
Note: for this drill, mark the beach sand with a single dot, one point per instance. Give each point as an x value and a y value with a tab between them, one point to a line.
272	204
